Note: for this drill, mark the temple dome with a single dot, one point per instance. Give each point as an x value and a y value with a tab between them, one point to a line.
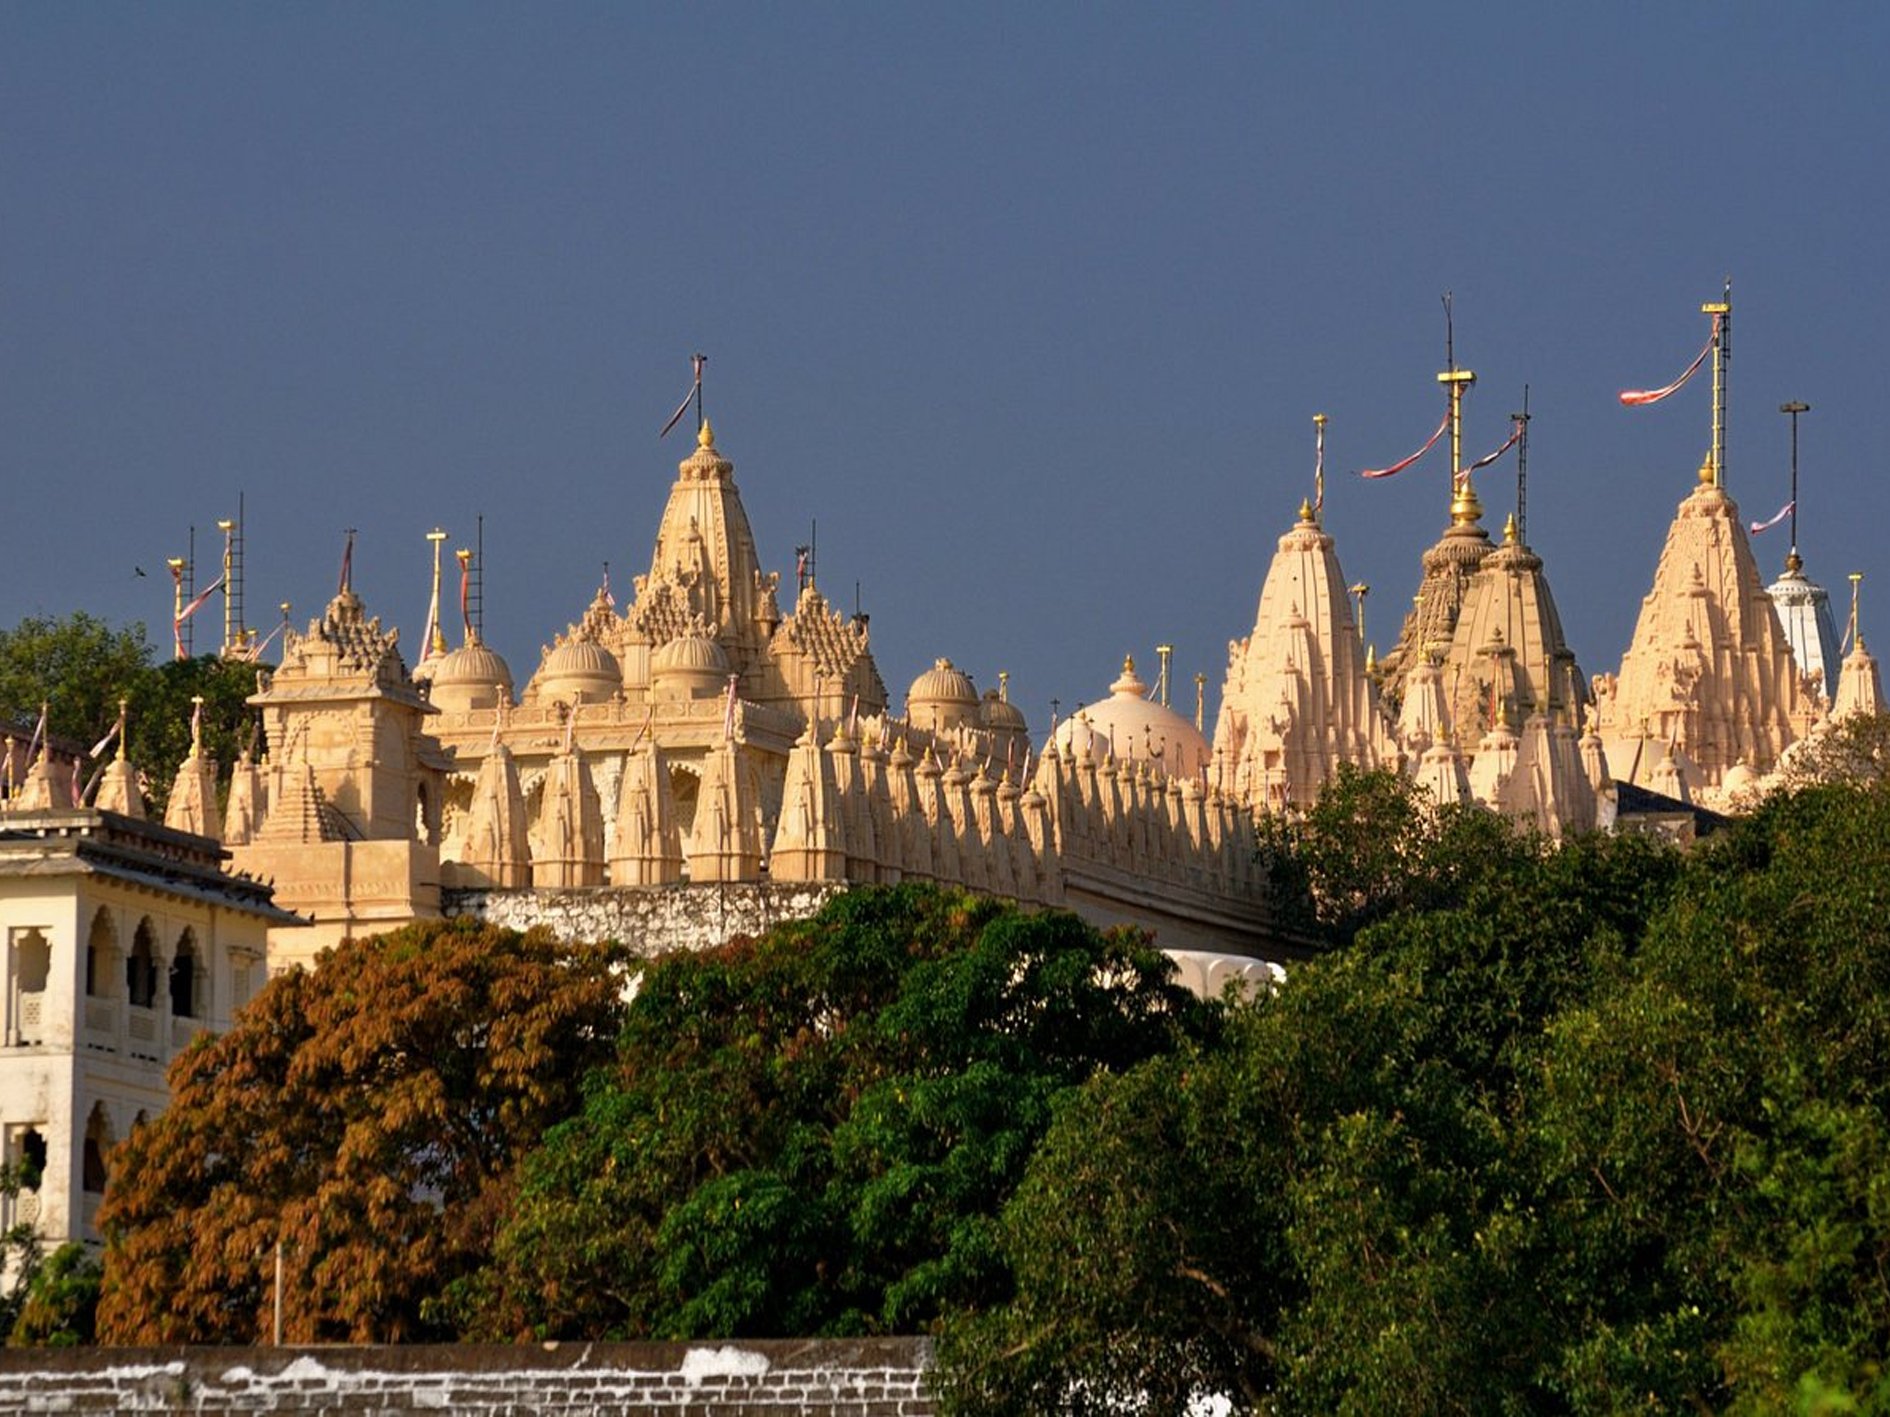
943	697
999	714
470	677
578	671
689	666
1135	728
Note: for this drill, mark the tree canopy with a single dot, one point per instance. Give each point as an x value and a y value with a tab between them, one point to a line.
369	1115
1600	1129
80	667
814	1132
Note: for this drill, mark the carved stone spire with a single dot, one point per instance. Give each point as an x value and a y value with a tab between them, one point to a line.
1709	672
1297	700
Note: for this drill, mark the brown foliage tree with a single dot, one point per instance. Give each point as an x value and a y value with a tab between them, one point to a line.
369	1116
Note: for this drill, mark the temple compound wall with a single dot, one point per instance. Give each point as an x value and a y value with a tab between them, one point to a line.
651	920
882	1377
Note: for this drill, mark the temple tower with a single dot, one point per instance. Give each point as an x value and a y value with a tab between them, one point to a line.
354	784
1297	701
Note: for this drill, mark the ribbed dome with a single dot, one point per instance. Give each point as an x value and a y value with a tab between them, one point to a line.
470	677
942	684
689	666
942	698
1000	714
579	671
1133	727
689	654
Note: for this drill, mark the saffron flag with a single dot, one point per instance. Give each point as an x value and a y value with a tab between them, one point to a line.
1636	398
1401	465
1783	512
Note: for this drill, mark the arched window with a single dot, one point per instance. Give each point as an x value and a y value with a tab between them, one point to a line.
187	978
98	1147
31	1159
141	966
101	956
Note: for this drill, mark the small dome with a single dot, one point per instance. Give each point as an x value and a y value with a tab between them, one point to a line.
999	714
688	667
942	684
942	698
470	677
1133	727
578	671
689	654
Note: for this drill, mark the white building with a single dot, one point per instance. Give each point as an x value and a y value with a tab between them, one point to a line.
124	940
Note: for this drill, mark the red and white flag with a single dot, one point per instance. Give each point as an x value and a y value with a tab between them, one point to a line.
255	652
1636	398
1515	436
1403	463
177	622
1783	512
106	741
695	391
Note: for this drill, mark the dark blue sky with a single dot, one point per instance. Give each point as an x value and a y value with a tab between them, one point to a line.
1029	306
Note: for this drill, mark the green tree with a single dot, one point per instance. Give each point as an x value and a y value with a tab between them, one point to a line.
81	667
814	1132
60	1303
77	665
1333	1206
161	711
369	1115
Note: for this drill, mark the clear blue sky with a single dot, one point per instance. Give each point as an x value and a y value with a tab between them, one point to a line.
1029	305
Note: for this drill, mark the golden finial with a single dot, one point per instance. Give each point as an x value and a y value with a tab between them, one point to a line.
1004	686
1305	509
1465	509
1857	580
1509	530
1707	479
1128	664
705	435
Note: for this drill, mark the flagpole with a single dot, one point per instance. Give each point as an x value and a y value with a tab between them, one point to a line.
1319	465
1464	507
1721	311
436	642
1793	562
176	563
228	528
1522	469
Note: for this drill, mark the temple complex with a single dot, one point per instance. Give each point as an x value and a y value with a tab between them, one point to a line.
709	734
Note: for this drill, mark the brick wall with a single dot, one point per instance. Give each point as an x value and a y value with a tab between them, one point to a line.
846	1378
